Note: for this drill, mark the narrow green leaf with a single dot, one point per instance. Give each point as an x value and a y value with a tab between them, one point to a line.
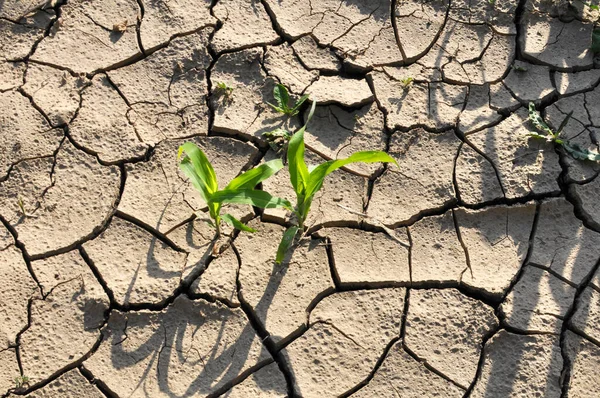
298	104
281	97
235	223
250	178
201	164
277	133
563	124
286	242
595	47
252	197
295	154
538	122
317	176
278	109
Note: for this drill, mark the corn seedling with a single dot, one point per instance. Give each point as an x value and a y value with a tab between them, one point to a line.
282	98
550	135
196	166
21	205
21	381
307	183
407	82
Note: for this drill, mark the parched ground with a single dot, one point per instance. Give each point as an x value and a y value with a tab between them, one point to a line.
472	270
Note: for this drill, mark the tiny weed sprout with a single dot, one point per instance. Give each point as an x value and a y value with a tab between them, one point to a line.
277	139
21	382
224	89
282	98
518	68
196	166
407	82
307	183
21	206
575	150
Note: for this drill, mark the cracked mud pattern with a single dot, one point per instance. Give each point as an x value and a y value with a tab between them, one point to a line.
472	270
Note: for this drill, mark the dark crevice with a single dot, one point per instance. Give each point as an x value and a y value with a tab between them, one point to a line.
97	382
429	367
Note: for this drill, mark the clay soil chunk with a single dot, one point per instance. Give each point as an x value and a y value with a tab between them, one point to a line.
446	329
516	365
85	41
245	23
538	302
137	266
562	243
315	57
586	318
529	82
407	377
9	369
476	177
190	347
281	61
422	182
70	384
587	196
436	253
497	240
79	202
268	382
363	257
281	294
30	134
585	360
18	289
346	92
348	333
66	324
219	279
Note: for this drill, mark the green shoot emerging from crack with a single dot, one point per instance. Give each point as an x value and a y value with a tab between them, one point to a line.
407	82
224	89
282	98
196	166
518	68
277	139
21	382
549	135
306	184
21	205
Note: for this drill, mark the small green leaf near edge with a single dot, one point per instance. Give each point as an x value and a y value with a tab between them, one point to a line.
286	241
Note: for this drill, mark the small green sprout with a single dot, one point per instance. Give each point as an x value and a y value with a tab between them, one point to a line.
21	382
277	138
306	184
21	205
196	166
225	89
282	97
407	82
575	150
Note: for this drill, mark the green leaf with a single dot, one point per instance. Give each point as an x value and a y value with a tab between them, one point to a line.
278	109
538	122
286	242
235	223
537	135
563	124
188	169
295	155
281	97
317	176
252	197
250	178
298	104
595	47
277	133
201	164
581	153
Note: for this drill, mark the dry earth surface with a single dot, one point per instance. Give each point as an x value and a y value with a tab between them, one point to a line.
472	270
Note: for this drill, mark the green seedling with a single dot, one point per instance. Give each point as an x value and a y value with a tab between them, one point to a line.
307	183
21	382
595	47
21	205
407	82
225	89
196	166
518	68
277	139
575	150
282	98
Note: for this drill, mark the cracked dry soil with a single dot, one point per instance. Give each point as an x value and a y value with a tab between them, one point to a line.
472	270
